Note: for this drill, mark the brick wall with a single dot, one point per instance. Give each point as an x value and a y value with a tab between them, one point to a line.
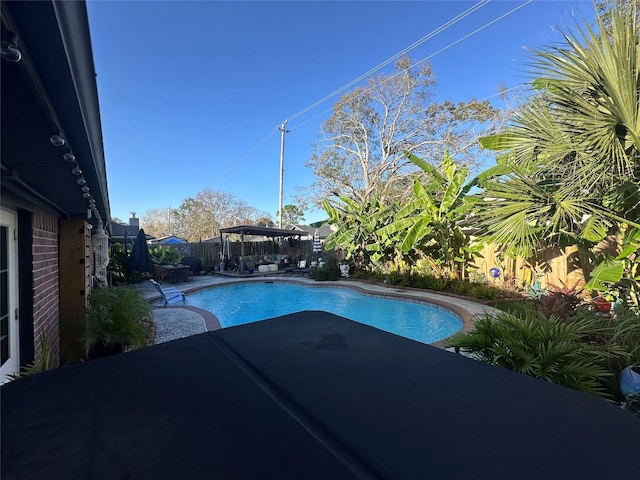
46	315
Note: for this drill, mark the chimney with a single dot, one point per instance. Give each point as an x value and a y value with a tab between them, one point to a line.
133	221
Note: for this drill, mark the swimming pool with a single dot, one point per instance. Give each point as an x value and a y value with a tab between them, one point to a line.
242	303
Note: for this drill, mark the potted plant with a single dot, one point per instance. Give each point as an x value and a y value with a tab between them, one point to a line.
117	318
601	304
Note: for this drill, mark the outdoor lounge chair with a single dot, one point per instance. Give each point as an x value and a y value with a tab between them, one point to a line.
302	268
170	295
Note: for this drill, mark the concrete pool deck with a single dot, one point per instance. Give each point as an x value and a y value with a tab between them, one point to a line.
179	321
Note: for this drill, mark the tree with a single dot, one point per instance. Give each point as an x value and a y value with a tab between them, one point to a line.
157	222
200	217
604	7
265	221
570	157
361	153
291	215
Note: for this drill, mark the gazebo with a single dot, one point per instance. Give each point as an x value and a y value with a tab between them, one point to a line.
243	230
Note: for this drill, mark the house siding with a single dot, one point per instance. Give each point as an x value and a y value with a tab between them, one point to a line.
46	283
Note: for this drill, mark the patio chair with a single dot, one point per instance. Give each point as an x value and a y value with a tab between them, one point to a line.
161	273
170	295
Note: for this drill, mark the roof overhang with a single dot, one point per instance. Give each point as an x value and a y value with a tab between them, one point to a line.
52	90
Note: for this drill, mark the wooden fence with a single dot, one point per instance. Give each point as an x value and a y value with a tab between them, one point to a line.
211	253
553	266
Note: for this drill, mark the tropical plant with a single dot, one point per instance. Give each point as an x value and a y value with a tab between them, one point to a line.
551	349
620	274
357	226
43	361
164	254
432	222
560	300
117	317
570	153
627	332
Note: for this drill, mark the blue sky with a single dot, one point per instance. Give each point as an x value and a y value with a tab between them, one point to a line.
192	92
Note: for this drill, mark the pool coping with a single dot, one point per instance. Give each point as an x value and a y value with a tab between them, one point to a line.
465	315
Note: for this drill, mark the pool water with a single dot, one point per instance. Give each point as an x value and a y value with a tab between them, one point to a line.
249	302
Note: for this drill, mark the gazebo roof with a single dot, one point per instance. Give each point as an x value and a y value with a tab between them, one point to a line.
264	231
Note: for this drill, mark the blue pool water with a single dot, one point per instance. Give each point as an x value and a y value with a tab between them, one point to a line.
249	302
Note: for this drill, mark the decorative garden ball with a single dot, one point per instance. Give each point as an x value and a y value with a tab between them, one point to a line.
494	272
630	381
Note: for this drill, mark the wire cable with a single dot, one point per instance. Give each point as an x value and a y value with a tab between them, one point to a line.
415	44
443	27
428	57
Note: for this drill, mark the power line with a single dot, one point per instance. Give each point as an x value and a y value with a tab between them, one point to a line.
438	30
443	27
235	165
431	56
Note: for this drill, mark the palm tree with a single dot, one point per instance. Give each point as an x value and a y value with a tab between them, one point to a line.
572	154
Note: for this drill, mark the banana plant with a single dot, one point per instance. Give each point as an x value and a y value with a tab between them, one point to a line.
621	273
357	224
432	222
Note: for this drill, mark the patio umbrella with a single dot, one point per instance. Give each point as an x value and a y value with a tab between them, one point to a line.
225	249
140	259
317	246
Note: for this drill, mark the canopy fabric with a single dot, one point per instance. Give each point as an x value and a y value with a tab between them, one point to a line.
312	396
264	231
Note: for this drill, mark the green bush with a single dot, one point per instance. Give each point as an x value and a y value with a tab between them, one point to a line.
164	254
118	316
484	292
118	264
627	331
329	271
555	350
435	283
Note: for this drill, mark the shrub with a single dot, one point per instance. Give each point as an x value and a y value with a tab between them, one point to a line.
118	264
435	283
561	301
627	331
164	254
555	350
484	292
118	316
329	271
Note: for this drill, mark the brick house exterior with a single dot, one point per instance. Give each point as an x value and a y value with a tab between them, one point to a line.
54	186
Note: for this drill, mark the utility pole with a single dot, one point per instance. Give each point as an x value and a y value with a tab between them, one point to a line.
282	129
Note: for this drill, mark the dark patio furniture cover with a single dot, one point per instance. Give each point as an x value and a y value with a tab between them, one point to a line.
140	259
306	396
194	263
